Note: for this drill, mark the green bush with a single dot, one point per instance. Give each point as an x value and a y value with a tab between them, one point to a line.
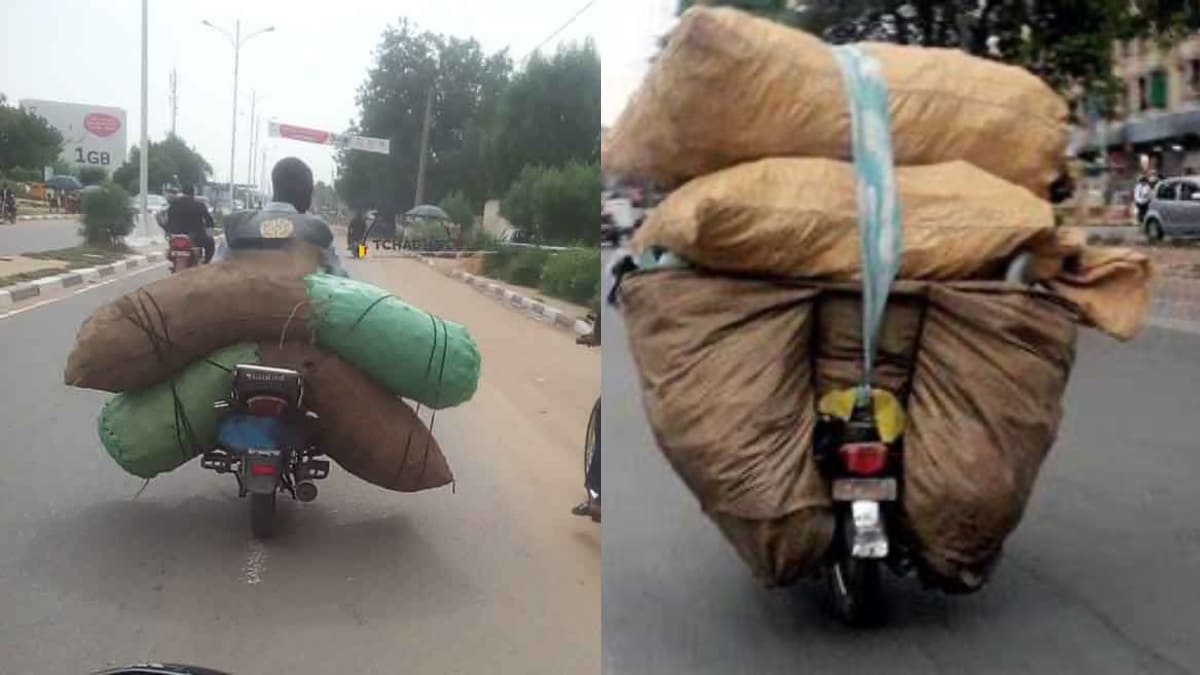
23	175
573	275
458	207
93	175
106	215
526	268
495	264
557	204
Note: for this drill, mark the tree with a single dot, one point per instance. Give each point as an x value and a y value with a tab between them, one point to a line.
1068	43
26	140
557	204
92	175
550	114
465	84
171	161
459	208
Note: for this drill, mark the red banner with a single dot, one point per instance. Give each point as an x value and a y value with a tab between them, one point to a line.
303	134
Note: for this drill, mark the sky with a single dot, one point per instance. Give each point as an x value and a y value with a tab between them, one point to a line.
306	72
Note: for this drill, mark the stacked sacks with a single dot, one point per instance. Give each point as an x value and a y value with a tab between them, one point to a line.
765	316
168	347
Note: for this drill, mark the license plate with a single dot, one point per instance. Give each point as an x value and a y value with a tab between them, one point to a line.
179	254
864	489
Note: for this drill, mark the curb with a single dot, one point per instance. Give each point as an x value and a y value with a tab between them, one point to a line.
536	310
77	277
52	216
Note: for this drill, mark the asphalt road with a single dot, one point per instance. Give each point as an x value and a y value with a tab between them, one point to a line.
1103	575
32	236
495	576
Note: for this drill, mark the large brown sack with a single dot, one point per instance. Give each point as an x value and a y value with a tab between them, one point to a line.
159	329
982	369
727	386
799	218
731	369
730	88
363	427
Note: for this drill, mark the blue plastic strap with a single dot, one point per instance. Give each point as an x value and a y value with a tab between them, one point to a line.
878	205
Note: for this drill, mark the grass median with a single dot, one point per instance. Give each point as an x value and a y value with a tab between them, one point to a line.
572	275
66	259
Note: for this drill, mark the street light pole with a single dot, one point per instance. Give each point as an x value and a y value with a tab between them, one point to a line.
144	164
237	40
237	50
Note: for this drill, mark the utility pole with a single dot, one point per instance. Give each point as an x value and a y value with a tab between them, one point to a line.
419	198
174	99
250	159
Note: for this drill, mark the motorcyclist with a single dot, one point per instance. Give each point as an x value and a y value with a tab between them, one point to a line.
190	217
292	181
8	200
356	232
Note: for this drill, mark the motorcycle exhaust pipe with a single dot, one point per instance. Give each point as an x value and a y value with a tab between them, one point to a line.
306	491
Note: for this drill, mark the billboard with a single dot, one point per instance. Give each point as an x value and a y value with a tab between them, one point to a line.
92	135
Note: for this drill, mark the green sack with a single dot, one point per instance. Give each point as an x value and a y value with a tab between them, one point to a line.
408	351
141	430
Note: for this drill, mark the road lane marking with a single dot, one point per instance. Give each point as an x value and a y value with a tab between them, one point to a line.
256	563
48	301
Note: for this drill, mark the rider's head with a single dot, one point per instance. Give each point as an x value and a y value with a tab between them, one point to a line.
293	183
189	191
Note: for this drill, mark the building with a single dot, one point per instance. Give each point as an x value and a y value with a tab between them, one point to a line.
1158	116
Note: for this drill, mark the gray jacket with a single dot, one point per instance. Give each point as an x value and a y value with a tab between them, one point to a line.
247	230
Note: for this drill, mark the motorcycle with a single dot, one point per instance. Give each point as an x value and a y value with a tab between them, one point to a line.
10	213
264	440
858	446
183	252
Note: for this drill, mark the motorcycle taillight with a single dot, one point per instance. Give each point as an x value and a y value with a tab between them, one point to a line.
180	243
266	406
864	459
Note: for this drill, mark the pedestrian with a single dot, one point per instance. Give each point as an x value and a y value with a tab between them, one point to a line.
1142	192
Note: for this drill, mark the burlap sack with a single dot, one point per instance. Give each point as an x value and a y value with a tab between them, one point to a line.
991	371
161	328
730	88
728	387
799	218
364	428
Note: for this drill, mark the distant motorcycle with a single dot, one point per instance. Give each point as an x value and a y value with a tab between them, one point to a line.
10	212
265	440
183	253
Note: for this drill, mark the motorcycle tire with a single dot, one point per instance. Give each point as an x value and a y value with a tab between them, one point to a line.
591	441
855	586
262	515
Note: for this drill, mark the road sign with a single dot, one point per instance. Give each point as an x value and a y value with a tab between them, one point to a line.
321	137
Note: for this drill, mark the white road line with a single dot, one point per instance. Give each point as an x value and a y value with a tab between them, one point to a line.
135	272
48	301
256	563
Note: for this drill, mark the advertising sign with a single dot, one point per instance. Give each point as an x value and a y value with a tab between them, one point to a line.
92	135
295	133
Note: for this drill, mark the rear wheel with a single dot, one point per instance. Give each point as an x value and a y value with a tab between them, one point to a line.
855	586
1154	230
591	441
262	515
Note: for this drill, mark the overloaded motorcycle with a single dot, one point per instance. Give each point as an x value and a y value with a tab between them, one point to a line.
858	446
265	441
183	253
